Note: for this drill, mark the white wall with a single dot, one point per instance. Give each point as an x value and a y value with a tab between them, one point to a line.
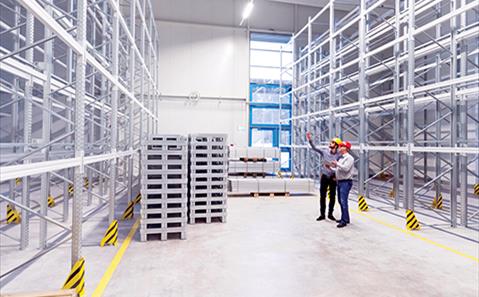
210	60
206	116
202	49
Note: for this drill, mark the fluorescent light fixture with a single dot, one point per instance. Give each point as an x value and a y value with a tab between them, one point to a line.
247	11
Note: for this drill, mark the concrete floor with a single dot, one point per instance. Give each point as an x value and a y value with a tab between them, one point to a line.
274	247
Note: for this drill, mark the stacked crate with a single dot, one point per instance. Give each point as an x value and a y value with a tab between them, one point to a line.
208	178
164	187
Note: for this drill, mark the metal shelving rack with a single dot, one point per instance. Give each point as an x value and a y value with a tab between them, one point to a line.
399	79
78	81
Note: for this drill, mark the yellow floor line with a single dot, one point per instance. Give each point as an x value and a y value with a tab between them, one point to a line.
114	263
416	235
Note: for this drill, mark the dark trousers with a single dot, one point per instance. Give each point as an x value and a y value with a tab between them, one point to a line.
327	182
344	186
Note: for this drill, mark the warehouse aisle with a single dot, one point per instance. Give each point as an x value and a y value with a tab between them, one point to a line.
274	247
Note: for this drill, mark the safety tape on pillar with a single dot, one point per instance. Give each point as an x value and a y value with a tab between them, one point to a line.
476	189
76	278
111	234
437	202
362	204
51	201
70	189
137	198
128	213
13	217
411	221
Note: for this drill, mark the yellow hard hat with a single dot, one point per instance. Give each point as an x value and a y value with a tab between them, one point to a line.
337	140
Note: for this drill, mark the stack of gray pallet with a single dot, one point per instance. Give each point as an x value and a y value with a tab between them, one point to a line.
208	178
164	187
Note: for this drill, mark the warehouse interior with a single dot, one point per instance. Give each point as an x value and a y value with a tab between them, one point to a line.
169	147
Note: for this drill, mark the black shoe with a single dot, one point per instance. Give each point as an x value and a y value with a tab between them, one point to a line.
338	221
331	217
320	218
341	225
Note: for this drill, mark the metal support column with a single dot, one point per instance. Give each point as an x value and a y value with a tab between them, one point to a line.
46	121
114	118
409	174
361	94
453	127
79	132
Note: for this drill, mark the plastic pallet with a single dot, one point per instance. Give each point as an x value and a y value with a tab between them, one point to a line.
194	207
206	179
165	235
161	188
199	138
163	196
208	175
165	221
202	146
164	146
165	166
170	184
167	137
164	205
177	156
207	219
167	177
163	211
208	186
165	162
209	195
210	154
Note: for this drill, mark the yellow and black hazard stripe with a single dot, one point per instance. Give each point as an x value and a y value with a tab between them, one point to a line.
76	278
13	217
86	182
70	189
437	202
292	176
51	201
476	189
18	181
362	204
279	174
137	198
411	221
111	234
128	214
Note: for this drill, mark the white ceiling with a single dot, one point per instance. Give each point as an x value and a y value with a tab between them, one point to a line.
343	4
271	15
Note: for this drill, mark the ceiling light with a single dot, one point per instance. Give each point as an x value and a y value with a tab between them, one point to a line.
247	11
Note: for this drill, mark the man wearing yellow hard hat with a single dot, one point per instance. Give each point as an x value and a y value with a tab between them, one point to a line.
328	176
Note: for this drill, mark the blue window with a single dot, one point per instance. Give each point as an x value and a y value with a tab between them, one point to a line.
266	129
269	53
